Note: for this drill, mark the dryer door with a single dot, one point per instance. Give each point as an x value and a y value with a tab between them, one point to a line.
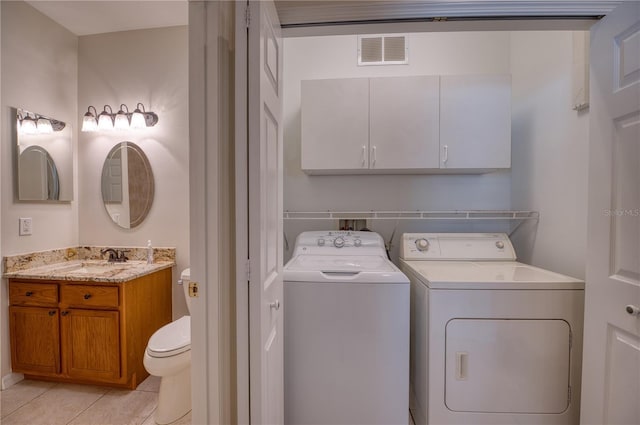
507	366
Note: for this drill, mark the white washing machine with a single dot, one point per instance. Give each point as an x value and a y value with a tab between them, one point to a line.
346	332
493	341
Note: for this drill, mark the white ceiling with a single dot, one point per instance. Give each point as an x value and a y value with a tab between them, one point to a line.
99	16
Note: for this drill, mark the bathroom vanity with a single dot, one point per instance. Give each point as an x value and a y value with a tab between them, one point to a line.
87	322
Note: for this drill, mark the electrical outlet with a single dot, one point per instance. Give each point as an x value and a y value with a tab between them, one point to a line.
26	227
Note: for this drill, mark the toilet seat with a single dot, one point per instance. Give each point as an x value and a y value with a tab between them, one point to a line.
172	339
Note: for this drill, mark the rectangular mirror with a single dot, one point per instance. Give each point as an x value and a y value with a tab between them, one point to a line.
44	158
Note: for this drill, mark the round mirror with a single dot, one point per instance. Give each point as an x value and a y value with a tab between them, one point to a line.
127	185
38	175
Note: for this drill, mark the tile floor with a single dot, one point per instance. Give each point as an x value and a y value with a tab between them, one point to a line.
47	403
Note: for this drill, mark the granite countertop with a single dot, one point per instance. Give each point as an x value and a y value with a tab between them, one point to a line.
91	271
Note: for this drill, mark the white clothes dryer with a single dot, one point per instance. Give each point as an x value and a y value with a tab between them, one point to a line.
493	341
346	332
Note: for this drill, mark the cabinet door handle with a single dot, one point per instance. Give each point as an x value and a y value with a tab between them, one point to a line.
64	313
87	296
275	305
364	153
445	154
632	310
373	156
28	293
461	366
52	312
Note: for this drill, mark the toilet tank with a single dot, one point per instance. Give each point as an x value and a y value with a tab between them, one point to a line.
185	277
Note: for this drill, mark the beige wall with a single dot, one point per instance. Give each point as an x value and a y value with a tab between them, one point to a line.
148	66
39	73
550	152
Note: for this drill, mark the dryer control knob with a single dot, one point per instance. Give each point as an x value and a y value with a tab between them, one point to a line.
422	244
338	242
357	242
321	242
500	244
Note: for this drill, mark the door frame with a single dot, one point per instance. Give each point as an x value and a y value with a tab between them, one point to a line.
211	211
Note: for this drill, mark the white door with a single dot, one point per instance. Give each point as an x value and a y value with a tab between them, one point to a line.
611	362
265	214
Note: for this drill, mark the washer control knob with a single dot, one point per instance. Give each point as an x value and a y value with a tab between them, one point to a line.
321	242
422	244
500	244
357	242
338	242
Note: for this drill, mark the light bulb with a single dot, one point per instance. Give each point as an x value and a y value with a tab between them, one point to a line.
105	122
137	119
28	126
89	122
44	126
122	122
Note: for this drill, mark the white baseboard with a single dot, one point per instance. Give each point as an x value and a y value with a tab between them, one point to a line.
11	379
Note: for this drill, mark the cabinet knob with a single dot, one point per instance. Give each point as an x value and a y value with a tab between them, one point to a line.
87	296
632	310
64	313
52	312
275	305
28	293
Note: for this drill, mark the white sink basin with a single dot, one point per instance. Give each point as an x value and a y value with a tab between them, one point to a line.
94	268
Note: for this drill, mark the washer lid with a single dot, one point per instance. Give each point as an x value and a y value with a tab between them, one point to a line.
171	339
340	263
488	275
342	268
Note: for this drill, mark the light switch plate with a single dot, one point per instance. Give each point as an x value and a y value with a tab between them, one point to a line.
26	227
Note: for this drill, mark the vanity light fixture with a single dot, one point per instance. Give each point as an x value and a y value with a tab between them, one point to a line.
137	118
39	124
105	119
44	126
122	120
28	125
89	121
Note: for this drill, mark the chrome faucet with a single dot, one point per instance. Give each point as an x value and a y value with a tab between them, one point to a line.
115	256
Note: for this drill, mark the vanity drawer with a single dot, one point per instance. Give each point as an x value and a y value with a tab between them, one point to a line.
38	294
89	296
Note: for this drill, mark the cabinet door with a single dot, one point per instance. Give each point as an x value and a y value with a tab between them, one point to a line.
91	343
404	122
475	121
35	339
335	124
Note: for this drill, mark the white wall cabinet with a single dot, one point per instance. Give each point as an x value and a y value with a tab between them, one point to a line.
404	123
475	121
335	125
421	124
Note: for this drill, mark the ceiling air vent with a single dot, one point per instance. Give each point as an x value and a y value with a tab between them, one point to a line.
383	50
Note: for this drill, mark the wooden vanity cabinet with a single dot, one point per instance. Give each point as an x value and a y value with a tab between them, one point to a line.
86	332
35	341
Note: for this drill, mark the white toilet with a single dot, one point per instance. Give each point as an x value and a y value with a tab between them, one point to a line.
168	355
